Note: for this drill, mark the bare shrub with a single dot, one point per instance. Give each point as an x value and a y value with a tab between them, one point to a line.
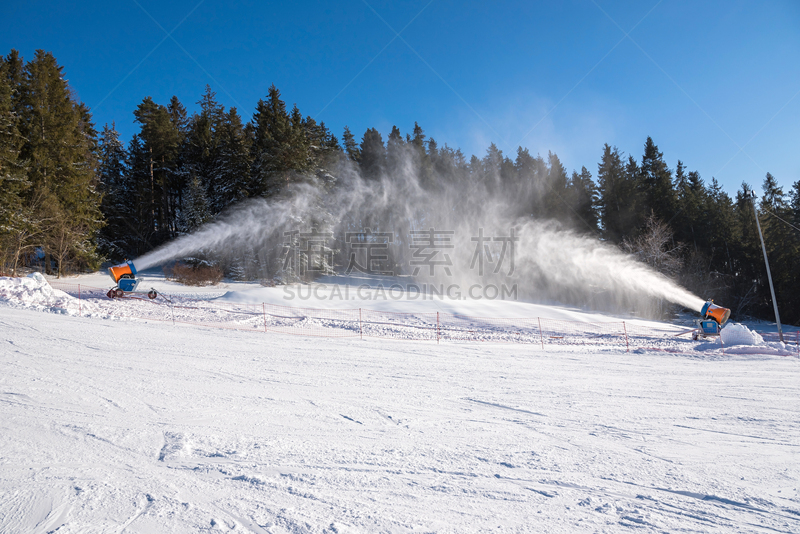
194	275
656	248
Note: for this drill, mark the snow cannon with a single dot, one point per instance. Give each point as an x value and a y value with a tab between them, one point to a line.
717	313
124	275
122	271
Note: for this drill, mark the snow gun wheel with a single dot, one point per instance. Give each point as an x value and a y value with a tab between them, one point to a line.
118	293
111	294
152	294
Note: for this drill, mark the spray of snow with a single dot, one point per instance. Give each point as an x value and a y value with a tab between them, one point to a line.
553	263
246	223
571	260
35	293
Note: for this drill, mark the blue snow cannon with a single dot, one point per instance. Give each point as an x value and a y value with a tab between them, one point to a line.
124	275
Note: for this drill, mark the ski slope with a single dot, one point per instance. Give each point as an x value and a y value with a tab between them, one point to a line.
142	426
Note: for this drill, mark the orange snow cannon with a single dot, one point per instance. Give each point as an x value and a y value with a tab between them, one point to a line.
124	276
118	271
718	313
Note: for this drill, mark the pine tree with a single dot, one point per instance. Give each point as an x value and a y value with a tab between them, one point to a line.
449	164
419	158
778	238
555	205
14	68
178	115
232	165
795	203
111	175
14	225
656	183
691	220
330	141
475	169
619	204
373	155
395	150
350	145
322	142
201	148
750	278
720	221
61	150
162	140
492	164
196	210
532	186
418	139
583	198
280	151
136	198
794	244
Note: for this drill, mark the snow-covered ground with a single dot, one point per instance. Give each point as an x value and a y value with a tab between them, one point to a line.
142	426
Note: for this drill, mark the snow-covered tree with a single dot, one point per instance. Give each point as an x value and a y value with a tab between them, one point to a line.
196	210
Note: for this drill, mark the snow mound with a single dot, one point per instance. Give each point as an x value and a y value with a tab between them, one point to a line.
35	293
739	334
738	339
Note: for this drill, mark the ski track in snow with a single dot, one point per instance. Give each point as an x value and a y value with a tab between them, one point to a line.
127	426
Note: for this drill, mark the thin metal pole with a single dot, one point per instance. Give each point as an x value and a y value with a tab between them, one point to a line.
541	336
625	329
264	309
766	262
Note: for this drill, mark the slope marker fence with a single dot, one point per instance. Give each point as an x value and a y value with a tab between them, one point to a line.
366	323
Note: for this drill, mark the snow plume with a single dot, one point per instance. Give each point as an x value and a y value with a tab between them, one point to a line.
247	223
552	262
579	265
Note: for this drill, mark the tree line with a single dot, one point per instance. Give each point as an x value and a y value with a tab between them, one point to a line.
72	197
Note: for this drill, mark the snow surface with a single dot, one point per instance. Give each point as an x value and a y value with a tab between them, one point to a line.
331	291
140	426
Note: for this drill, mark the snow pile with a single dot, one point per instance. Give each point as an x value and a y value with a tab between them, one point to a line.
739	334
738	339
34	292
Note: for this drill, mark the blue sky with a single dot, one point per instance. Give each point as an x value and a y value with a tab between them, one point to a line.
716	84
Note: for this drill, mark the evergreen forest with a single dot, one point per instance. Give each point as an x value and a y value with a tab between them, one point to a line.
73	195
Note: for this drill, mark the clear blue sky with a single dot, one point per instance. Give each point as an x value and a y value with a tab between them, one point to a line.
715	83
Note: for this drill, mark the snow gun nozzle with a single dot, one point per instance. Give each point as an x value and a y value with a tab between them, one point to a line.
121	270
718	313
